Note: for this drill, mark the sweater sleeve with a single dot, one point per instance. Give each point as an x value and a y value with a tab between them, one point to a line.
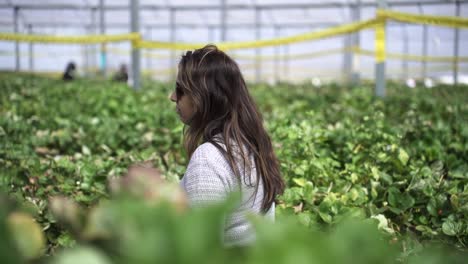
207	180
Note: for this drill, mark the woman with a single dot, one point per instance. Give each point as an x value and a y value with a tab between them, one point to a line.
213	101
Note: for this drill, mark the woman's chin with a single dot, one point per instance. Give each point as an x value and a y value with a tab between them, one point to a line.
183	120
186	121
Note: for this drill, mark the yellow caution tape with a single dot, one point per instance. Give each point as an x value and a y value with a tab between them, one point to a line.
155	56
409	57
36	55
424	19
147	53
427	58
93	39
364	52
167	45
334	31
380	41
158	71
248	70
50	74
378	24
356	50
299	56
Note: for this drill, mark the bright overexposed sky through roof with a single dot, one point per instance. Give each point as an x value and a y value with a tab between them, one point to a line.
202	25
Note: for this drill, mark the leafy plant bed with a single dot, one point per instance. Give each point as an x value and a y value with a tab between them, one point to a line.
401	161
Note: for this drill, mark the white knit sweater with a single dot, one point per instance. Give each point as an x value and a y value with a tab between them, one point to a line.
209	179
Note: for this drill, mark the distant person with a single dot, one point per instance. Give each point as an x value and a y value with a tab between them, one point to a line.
69	73
122	74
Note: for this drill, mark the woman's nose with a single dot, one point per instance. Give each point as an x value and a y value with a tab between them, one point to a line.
173	97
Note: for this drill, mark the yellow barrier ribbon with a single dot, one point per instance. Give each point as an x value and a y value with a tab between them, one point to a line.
299	56
359	51
380	41
127	52
334	31
410	57
424	19
36	55
167	45
158	71
93	39
378	24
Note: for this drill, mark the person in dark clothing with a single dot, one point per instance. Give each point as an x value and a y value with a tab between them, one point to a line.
69	73
122	74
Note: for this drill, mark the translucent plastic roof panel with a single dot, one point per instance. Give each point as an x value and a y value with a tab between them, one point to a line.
202	24
157	12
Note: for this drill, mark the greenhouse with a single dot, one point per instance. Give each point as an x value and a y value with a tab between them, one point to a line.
121	124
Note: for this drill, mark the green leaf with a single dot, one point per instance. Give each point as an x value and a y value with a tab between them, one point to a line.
432	207
403	157
383	223
400	200
304	218
300	181
65	240
426	230
393	194
326	217
81	254
85	150
451	228
375	173
27	235
292	195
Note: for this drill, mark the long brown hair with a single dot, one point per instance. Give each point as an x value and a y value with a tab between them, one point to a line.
224	106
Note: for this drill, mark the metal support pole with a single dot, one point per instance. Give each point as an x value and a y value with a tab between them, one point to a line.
93	30
135	27
380	65
86	55
425	41
102	30
223	20
31	49
404	61
257	50
347	59
172	32
348	42
16	30
277	50
424	47
456	45
356	42
89	53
